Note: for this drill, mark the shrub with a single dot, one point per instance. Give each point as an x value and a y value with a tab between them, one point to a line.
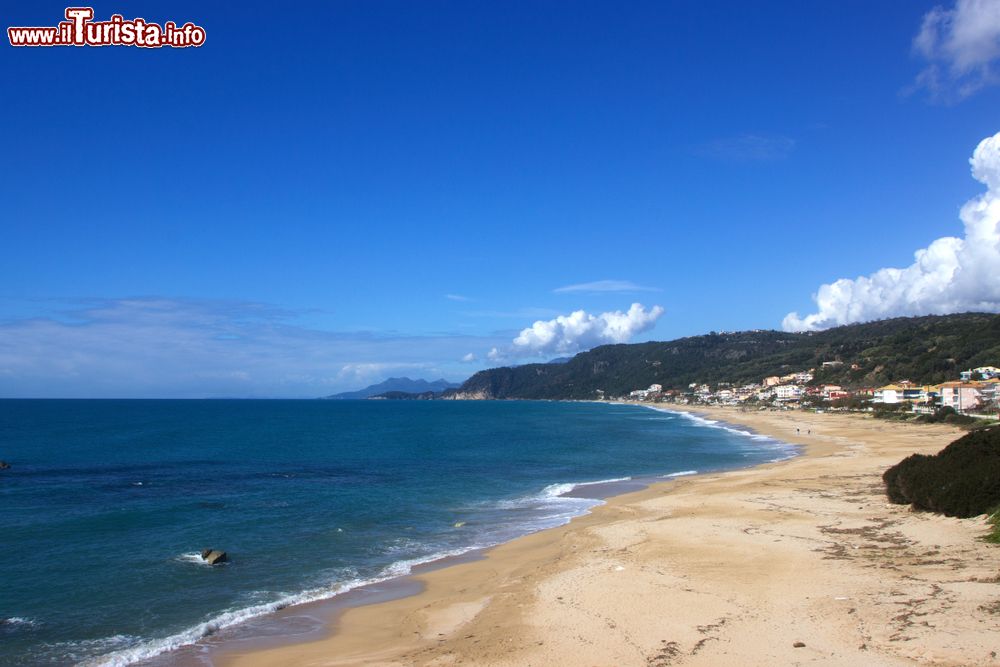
961	480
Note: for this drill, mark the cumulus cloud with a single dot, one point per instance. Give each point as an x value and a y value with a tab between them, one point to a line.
468	358
961	47
951	275
569	334
749	148
605	286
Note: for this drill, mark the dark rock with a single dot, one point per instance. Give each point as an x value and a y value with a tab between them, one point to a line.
214	556
4	465
798	645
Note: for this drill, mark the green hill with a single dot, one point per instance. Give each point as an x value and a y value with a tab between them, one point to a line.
927	349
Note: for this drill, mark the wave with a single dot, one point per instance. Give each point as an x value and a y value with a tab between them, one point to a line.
792	450
547	508
557	493
148	649
18	622
194	558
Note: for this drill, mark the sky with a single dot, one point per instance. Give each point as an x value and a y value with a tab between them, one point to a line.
320	198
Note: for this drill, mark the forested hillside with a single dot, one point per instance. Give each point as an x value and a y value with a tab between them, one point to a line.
927	349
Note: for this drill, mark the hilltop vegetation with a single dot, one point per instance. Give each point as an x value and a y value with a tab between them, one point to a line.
927	349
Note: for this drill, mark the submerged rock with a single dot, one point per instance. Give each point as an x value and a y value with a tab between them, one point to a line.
4	465
214	556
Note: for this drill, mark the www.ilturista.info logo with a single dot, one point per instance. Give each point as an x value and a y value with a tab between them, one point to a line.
79	29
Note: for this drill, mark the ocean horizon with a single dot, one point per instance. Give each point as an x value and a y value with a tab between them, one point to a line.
109	502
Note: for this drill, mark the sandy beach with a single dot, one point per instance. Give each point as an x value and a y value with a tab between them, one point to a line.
798	562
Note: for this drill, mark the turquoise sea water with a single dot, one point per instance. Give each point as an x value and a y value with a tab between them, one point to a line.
108	503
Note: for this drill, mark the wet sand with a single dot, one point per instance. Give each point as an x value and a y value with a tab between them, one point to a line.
797	562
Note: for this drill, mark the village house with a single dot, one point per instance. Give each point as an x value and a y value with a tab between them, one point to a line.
961	396
788	392
889	394
983	372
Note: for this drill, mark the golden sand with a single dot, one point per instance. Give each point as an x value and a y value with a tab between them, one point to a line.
797	562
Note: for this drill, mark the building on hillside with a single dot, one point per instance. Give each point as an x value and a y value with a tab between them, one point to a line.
655	388
827	389
889	394
926	394
983	372
788	392
989	392
772	381
961	396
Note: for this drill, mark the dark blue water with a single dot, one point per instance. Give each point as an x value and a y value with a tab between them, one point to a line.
107	503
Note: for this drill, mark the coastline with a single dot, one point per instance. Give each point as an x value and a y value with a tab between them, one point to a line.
732	567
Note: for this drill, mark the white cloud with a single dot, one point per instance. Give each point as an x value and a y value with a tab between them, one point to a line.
605	286
749	148
469	358
184	348
569	334
951	275
961	47
457	297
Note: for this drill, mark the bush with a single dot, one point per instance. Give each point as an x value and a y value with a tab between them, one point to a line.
961	480
994	522
947	415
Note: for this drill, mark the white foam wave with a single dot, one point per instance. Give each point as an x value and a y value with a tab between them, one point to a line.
790	450
145	650
193	557
605	481
682	473
556	494
19	621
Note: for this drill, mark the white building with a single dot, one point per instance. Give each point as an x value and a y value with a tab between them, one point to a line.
890	393
984	372
788	392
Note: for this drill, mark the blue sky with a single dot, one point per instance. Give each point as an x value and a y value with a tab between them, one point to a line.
320	198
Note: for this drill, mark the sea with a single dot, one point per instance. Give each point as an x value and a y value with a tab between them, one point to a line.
108	503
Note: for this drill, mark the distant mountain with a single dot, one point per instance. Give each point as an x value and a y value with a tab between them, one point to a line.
406	396
927	349
400	385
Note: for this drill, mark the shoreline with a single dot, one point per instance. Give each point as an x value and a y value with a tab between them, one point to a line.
311	620
805	550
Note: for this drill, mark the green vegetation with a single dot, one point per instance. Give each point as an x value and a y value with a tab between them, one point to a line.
961	480
994	521
948	415
921	349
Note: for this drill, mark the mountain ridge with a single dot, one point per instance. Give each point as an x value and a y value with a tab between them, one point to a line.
924	349
395	385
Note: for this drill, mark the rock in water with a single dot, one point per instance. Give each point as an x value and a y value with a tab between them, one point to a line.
4	465
214	556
